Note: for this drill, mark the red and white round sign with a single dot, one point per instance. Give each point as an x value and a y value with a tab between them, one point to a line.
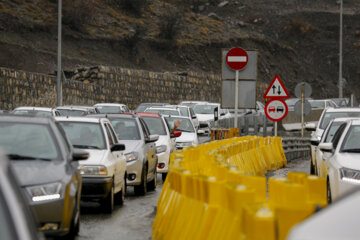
237	58
276	110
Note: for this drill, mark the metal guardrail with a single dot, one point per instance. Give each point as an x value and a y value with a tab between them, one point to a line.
295	148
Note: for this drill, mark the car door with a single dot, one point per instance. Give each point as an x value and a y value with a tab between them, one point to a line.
150	147
114	158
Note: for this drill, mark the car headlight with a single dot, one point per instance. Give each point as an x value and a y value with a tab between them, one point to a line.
161	148
350	175
45	192
93	170
131	156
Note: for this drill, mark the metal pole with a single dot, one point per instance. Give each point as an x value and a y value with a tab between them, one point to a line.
340	53
58	83
302	110
275	129
236	98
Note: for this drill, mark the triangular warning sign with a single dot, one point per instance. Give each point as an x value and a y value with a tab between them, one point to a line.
276	89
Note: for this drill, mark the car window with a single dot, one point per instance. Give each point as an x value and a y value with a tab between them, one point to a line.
84	135
108	109
63	139
352	139
328	116
163	111
185	124
109	136
204	109
6	222
335	140
155	125
33	113
184	111
28	139
126	128
141	108
144	128
317	104
73	113
332	130
192	112
113	134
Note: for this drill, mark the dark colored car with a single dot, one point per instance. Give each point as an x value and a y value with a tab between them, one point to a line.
16	220
47	169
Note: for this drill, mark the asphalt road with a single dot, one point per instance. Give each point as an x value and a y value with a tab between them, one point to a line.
133	220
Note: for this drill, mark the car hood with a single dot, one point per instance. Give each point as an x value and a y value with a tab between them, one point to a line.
205	117
96	156
36	172
131	145
349	160
163	140
186	137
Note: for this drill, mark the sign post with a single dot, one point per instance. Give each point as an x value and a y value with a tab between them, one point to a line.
303	90
236	59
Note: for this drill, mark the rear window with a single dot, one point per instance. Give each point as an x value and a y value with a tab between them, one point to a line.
328	116
126	129
155	125
36	113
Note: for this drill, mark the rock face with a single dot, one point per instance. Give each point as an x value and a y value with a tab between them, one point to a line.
222	4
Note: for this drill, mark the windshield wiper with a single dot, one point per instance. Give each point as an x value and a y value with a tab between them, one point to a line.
22	157
86	146
353	150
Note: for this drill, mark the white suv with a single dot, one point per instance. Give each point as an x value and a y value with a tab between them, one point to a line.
104	172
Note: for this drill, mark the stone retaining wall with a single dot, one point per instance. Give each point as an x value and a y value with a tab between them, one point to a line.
88	86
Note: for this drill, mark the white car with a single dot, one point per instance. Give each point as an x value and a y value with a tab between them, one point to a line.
205	114
111	108
36	111
342	156
164	110
165	145
104	172
326	137
187	112
189	136
327	115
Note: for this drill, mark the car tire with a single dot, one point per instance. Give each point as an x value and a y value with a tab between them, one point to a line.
152	184
120	196
108	202
163	176
141	189
328	192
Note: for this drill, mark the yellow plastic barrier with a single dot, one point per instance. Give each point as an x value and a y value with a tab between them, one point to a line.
217	190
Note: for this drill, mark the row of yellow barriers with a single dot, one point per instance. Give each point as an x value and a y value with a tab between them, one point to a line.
218	191
223	133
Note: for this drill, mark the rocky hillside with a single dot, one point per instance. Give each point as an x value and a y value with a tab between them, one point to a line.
296	39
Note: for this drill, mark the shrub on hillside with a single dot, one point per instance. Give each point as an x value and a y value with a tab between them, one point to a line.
133	6
169	25
76	13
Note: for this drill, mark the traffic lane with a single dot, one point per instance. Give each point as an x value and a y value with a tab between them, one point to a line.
297	165
203	139
132	221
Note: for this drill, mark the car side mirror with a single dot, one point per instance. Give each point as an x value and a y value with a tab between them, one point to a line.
310	126
152	138
216	114
326	147
193	116
175	134
117	147
79	154
314	142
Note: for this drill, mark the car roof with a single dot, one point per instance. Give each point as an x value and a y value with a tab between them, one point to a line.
25	119
175	116
35	108
148	114
355	121
75	108
163	108
345	119
150	103
342	109
109	104
77	119
112	115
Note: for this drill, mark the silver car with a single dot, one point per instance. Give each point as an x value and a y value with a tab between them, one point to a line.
47	168
140	151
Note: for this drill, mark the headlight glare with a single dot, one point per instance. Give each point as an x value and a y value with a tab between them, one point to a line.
161	148
50	191
93	170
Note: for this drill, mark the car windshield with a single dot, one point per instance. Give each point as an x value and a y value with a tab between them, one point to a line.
28	141
84	135
72	112
126	129
155	125
351	142
163	111
184	111
328	116
109	109
317	104
204	109
37	113
185	124
332	130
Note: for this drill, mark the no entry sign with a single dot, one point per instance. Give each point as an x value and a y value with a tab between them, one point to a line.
237	58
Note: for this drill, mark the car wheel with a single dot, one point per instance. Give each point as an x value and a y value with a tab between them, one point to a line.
163	176
142	188
152	183
108	203
328	191
120	197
